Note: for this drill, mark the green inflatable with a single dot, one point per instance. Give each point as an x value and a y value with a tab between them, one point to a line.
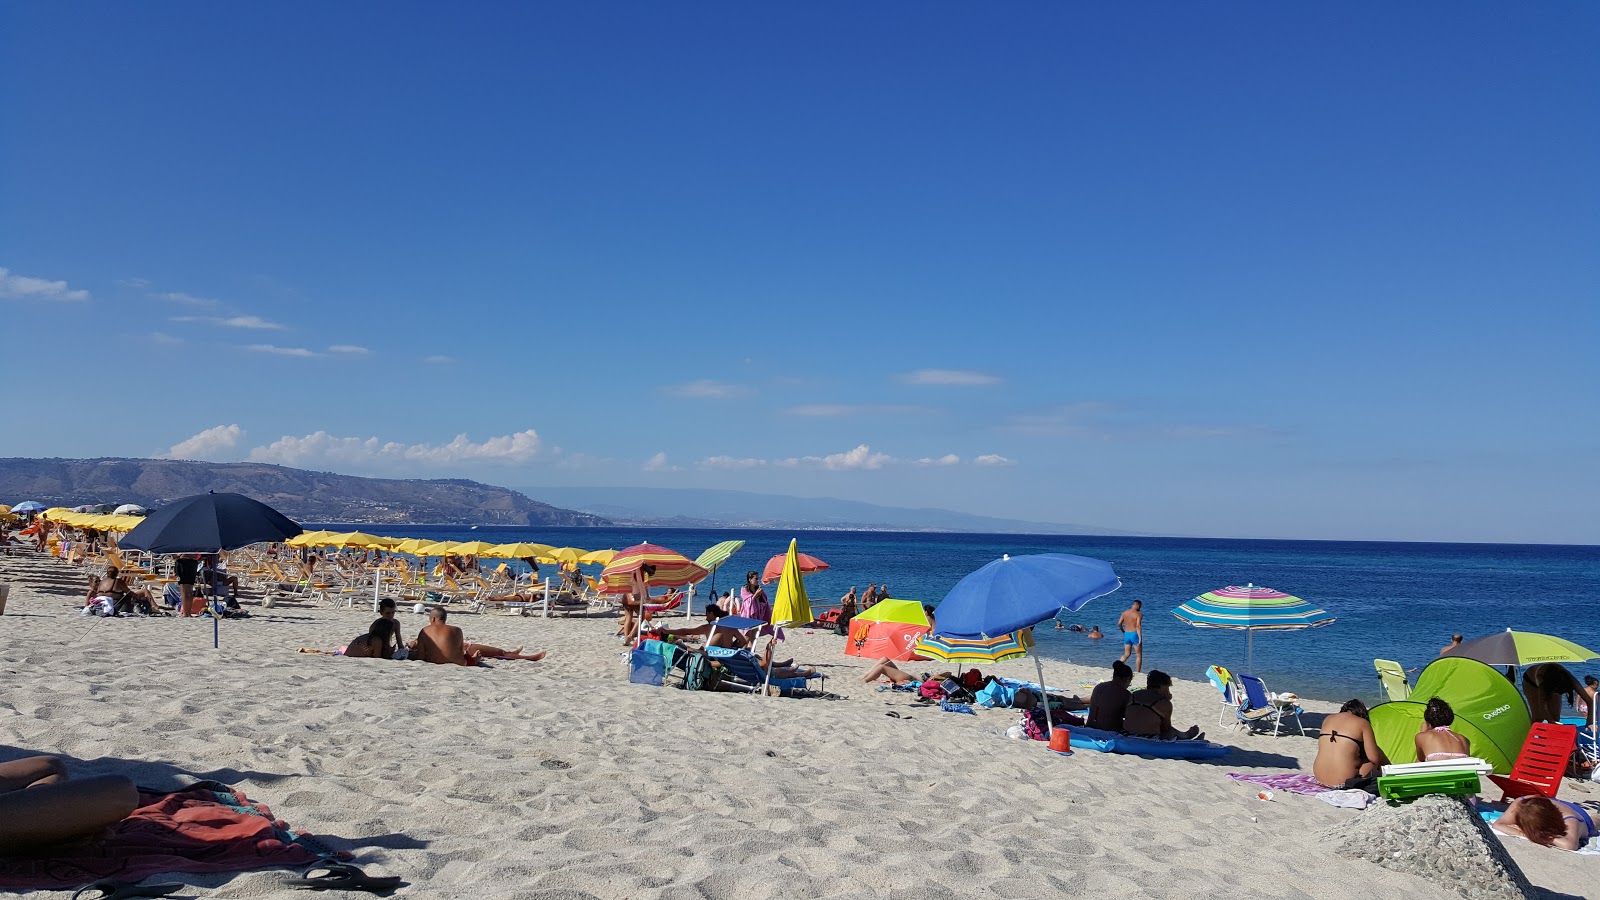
1489	710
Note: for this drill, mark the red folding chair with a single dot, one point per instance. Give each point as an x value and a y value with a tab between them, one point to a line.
1541	763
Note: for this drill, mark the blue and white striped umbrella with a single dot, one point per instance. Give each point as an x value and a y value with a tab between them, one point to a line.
1251	608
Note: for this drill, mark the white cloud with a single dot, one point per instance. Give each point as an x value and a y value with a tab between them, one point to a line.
21	287
183	299
252	322
706	389
350	349
949	459
208	444
731	462
859	457
282	351
992	459
948	376
322	448
658	463
438	360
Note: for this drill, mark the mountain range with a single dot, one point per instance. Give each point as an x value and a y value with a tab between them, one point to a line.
297	493
710	508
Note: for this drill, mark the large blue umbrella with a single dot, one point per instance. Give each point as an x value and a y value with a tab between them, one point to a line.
1017	592
28	506
209	523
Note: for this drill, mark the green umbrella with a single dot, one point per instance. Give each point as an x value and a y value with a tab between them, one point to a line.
713	559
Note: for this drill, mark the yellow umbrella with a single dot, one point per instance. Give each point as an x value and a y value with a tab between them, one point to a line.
566	554
307	538
792	606
412	545
438	548
352	539
519	551
603	557
473	548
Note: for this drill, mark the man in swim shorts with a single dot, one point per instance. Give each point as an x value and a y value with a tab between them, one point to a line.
1131	624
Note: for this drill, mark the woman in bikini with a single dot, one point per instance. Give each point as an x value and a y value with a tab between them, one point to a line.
1551	823
1348	749
1437	741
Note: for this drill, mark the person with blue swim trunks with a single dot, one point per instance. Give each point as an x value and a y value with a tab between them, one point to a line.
1131	623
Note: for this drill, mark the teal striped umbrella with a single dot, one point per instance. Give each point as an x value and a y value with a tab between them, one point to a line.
986	650
1251	608
714	557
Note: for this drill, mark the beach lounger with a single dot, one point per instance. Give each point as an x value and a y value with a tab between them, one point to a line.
1393	678
1543	760
1260	707
743	666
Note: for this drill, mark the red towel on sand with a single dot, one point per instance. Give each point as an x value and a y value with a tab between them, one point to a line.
194	830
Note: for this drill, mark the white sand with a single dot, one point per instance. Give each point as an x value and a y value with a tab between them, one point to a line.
453	778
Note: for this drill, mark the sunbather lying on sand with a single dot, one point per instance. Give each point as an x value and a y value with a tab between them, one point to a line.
1552	823
40	807
439	642
1348	749
885	670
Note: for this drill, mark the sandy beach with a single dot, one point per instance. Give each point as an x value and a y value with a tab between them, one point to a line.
560	779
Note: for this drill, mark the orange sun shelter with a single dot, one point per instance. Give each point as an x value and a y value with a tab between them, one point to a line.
889	629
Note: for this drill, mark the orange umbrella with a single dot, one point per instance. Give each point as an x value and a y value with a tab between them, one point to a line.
774	567
673	569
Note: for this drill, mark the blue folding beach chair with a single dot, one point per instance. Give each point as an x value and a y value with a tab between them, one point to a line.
743	666
1260	707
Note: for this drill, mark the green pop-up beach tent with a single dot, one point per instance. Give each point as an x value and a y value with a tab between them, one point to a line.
1489	710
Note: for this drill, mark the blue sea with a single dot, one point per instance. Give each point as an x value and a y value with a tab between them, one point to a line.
1396	601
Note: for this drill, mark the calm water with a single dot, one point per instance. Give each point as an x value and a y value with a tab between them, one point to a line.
1396	601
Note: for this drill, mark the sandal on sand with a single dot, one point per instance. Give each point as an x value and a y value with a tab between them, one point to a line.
118	890
338	876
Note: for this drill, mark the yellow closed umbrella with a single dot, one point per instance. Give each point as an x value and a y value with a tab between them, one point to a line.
791	606
601	557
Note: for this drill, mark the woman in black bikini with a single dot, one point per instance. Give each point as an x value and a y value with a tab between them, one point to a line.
1348	749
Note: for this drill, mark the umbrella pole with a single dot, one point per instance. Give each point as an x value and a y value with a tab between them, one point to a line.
1044	695
1250	649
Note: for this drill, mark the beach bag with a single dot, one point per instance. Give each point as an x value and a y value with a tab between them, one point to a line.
699	674
996	694
972	679
931	690
1034	723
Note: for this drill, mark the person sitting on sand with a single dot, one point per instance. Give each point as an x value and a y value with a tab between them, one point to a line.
379	642
1108	702
39	806
885	670
440	642
1437	741
1550	823
114	588
1347	750
1149	712
1095	633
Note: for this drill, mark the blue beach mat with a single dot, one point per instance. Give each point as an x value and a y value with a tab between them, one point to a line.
1084	738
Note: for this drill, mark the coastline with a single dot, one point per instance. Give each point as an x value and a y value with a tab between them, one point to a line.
559	778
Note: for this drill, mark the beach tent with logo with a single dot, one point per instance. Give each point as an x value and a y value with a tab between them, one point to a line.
889	629
1489	710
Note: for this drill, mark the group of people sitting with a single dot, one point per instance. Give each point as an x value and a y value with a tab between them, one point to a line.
1348	756
112	594
437	642
712	635
1114	706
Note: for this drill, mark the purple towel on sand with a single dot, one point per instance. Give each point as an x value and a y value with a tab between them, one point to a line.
1293	782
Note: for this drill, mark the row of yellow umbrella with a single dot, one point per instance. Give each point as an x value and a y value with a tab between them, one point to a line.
97	521
543	553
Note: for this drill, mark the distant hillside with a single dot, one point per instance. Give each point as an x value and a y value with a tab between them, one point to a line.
301	495
694	507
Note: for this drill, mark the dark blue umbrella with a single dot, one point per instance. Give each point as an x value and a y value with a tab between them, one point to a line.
1016	592
209	523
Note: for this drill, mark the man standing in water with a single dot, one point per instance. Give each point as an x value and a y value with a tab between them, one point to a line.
1131	622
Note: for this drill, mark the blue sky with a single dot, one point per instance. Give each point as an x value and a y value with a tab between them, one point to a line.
1229	270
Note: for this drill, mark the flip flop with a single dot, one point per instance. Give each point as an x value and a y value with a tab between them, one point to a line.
338	876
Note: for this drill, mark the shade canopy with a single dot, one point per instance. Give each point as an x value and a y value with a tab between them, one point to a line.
717	554
519	550
28	506
908	612
1016	592
598	557
131	509
208	523
1488	708
673	569
1521	648
773	570
889	629
1251	606
473	548
348	539
971	650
